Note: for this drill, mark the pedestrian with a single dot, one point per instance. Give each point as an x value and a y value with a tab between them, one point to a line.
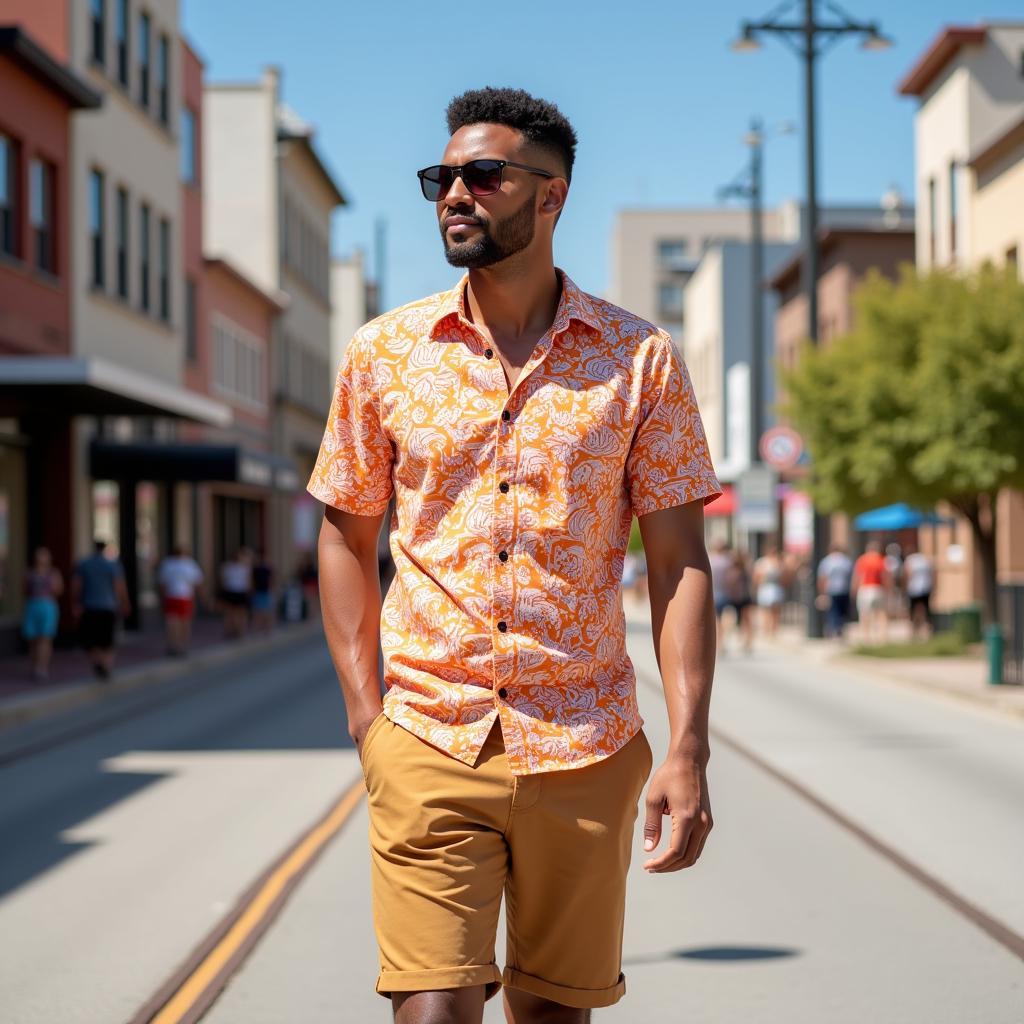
98	595
179	578
235	588
919	580
736	588
834	573
720	561
769	587
41	617
262	594
309	579
895	605
870	583
525	422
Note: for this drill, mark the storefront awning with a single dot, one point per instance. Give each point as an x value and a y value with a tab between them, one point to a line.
724	504
895	517
68	386
192	463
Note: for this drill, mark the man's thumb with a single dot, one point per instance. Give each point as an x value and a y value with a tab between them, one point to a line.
652	826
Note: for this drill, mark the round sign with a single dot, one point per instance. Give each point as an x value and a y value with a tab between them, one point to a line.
781	447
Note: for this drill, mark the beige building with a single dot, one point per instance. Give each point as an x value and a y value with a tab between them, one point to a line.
269	200
996	198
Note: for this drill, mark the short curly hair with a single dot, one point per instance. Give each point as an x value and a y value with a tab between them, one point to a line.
541	122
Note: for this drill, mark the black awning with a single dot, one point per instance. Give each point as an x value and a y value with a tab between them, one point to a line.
192	463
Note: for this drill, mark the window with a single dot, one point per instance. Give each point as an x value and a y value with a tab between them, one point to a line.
40	181
97	228
98	17
163	77
144	60
188	147
238	361
952	210
144	216
8	196
672	255
1012	258
121	28
933	218
670	301
165	269
191	322
122	229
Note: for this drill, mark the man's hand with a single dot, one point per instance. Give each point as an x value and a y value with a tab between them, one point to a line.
679	788
359	727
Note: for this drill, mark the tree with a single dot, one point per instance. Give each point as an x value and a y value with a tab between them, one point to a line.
923	401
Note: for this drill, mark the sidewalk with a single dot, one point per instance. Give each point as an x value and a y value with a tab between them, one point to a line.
141	660
960	678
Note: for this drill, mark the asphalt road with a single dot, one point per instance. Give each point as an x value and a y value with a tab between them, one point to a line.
865	862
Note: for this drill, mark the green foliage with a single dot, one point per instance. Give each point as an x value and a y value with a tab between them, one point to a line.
941	645
923	400
635	544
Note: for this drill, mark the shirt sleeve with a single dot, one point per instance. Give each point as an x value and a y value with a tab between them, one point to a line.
668	463
353	467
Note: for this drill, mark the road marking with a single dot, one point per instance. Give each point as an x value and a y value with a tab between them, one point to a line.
195	985
992	927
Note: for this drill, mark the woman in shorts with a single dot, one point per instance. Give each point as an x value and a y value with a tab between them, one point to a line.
43	585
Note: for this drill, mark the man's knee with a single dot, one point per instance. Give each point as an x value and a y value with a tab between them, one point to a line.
440	1006
526	1008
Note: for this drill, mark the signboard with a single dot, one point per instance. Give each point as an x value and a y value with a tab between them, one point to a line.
781	447
756	508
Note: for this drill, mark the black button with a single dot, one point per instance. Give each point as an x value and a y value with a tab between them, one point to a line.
504	556
503	487
506	415
503	693
489	353
502	627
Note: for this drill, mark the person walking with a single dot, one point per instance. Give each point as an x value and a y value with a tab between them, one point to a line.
834	573
720	561
262	594
235	588
736	595
98	595
919	580
179	578
769	586
41	616
870	582
521	423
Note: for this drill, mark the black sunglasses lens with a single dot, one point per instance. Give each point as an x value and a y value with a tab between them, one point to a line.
482	177
435	182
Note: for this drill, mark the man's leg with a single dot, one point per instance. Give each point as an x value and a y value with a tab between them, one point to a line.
444	1006
526	1008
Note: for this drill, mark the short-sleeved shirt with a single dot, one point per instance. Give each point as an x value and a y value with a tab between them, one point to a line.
99	576
512	515
179	576
835	569
870	568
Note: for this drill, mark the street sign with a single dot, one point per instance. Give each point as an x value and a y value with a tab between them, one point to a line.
756	510
781	447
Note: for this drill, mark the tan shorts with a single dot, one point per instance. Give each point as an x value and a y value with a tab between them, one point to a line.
448	839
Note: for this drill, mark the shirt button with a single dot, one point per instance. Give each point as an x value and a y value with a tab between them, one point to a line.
506	415
503	693
489	353
502	627
504	556
503	487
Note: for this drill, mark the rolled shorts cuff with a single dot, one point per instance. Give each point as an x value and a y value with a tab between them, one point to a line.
441	977
581	998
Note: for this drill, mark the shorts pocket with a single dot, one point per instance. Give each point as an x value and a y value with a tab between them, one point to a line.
368	737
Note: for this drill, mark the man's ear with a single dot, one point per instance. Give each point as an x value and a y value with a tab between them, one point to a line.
555	196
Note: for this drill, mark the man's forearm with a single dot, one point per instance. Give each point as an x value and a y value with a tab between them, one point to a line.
350	600
683	622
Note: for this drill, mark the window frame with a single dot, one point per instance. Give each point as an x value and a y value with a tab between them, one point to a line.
123	243
98	227
123	42
44	233
145	30
145	256
98	32
10	226
188	130
163	79
164	269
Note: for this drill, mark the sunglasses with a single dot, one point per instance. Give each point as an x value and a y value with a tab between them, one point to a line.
481	177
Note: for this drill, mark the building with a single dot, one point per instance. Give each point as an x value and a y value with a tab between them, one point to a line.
969	166
35	303
269	200
353	302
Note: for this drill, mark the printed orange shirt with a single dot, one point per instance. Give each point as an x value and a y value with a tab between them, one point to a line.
512	513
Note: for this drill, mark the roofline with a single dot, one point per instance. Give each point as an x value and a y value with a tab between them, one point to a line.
306	141
940	52
278	301
828	237
23	50
1002	144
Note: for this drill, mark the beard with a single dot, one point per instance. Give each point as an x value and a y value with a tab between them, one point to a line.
496	242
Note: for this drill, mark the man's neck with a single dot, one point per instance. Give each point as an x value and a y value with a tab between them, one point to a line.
514	303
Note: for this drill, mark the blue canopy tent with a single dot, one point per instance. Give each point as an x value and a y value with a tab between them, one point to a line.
895	517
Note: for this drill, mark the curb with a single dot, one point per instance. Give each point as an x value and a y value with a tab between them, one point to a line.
20	710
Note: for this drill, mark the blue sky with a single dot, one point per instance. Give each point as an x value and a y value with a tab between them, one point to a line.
658	100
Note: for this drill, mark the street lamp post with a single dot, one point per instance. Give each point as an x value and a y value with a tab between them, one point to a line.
810	38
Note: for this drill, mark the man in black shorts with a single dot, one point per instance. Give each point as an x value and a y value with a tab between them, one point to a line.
98	593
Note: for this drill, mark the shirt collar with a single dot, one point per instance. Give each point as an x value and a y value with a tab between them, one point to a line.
573	305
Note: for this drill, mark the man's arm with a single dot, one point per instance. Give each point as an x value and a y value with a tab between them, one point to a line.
350	601
683	623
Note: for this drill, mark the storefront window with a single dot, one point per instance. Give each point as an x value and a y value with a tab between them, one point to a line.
105	524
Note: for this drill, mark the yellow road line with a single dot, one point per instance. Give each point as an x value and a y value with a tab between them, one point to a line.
197	983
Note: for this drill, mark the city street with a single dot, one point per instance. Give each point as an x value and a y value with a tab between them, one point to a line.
126	846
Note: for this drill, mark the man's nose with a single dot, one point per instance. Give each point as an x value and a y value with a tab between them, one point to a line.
458	194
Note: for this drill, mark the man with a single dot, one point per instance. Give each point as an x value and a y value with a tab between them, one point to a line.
870	583
834	573
179	579
919	577
520	423
98	593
